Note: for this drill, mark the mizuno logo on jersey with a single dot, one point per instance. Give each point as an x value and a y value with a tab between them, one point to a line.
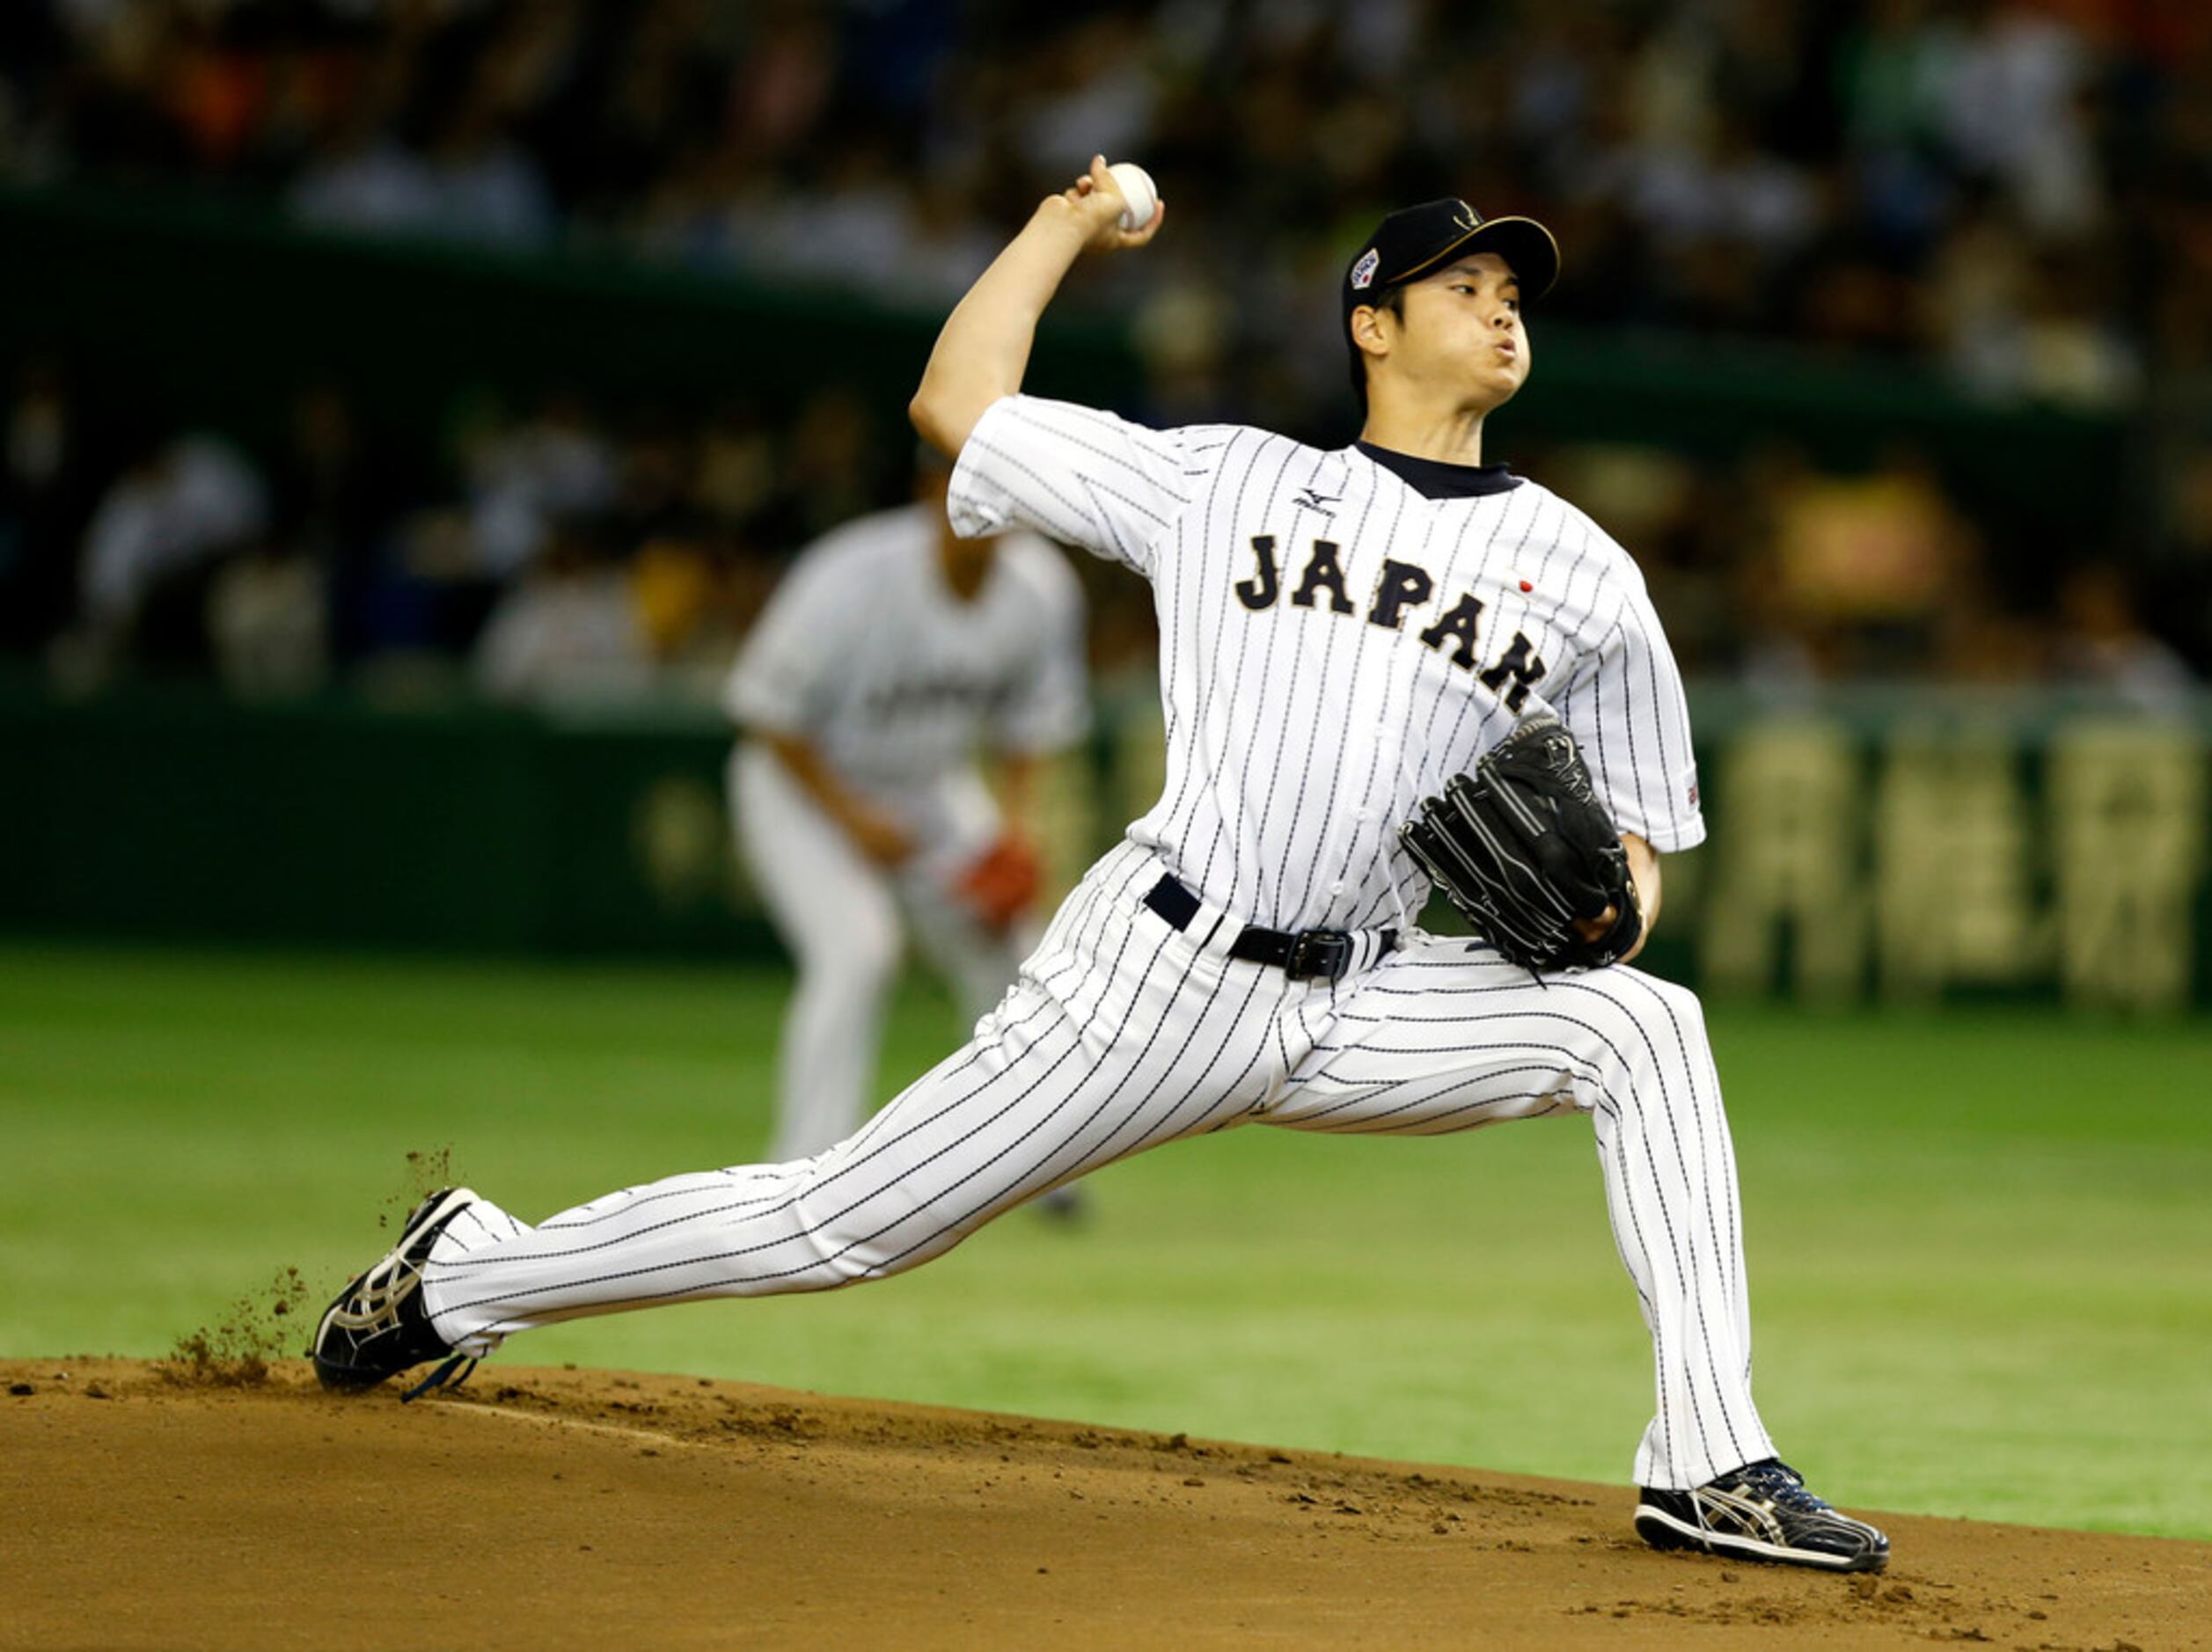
1314	500
1401	587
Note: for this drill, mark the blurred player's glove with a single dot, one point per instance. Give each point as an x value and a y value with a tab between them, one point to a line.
1525	850
1001	885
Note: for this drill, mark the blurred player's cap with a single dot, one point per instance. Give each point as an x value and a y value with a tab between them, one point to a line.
1415	241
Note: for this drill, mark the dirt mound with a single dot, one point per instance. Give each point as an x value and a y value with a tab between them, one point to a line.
537	1507
241	1349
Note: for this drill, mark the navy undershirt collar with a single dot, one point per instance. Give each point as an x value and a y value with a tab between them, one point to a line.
1434	479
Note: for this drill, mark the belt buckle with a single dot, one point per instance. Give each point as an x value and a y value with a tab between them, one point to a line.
1325	952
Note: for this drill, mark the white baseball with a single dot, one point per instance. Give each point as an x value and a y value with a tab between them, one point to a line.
1138	190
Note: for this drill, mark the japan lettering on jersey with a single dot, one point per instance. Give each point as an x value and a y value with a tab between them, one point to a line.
865	651
1335	645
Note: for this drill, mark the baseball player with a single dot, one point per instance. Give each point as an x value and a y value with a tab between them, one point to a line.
888	655
1353	641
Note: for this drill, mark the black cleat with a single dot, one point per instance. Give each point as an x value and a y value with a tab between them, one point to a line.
377	1327
1759	1512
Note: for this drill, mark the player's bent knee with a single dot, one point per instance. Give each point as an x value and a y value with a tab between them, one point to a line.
1680	1004
1634	1020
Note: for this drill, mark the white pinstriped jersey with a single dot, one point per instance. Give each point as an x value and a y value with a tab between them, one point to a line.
1335	645
865	651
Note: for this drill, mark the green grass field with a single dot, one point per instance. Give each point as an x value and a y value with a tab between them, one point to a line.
1981	1243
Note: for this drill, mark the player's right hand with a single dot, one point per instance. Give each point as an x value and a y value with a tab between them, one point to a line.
1094	201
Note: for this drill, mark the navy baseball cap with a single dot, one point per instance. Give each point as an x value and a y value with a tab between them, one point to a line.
1415	241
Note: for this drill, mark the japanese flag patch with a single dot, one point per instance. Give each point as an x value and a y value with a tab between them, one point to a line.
1363	273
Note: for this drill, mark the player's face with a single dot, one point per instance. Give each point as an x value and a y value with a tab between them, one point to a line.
1463	331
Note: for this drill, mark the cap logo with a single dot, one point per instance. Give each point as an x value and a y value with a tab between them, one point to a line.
1363	273
1467	218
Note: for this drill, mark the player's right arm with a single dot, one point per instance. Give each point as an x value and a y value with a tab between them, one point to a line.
783	691
983	351
874	833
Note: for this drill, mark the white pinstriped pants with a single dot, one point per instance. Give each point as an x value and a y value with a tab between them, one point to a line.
1123	1033
840	916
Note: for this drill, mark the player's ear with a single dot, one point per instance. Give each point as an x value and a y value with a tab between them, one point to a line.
1369	332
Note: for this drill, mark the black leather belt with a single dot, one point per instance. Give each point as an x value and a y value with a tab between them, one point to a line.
1305	954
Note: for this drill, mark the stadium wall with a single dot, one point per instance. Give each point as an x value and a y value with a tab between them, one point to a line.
1913	849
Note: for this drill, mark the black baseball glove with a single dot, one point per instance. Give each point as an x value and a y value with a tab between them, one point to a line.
1525	850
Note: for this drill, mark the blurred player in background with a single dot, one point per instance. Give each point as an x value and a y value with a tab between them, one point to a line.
891	656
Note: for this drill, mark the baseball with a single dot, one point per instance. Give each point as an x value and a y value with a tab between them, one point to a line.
1137	189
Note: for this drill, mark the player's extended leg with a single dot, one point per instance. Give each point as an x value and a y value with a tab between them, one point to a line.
840	918
1441	1038
976	959
1121	1034
979	962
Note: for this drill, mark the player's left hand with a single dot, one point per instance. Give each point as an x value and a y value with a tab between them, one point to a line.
1003	881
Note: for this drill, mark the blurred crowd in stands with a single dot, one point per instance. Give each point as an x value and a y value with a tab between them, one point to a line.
556	552
2015	193
2021	189
560	553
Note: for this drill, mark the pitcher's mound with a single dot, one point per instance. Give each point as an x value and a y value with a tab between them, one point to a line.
548	1507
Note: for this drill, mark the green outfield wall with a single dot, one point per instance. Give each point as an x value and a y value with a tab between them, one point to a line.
1910	849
